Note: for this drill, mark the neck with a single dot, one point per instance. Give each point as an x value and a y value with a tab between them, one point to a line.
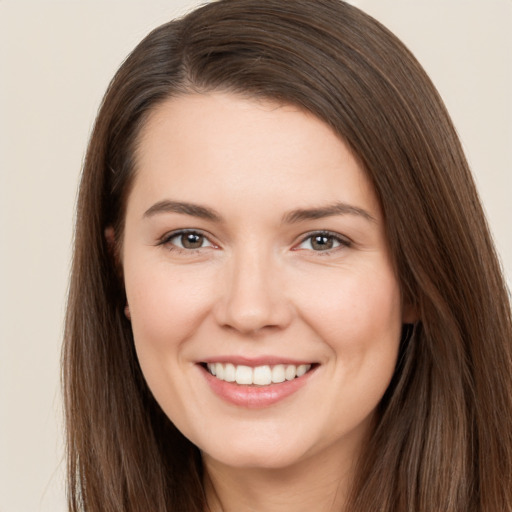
321	485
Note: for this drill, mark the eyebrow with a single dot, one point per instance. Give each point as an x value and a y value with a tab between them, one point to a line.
194	210
326	211
292	217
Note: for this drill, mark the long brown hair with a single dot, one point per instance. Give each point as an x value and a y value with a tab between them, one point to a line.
443	439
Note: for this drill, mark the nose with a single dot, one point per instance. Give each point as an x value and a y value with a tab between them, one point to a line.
254	297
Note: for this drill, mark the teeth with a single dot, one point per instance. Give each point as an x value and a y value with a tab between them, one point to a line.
302	369
259	375
229	373
278	374
262	376
219	371
290	372
243	374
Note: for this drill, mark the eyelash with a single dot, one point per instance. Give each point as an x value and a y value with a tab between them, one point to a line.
341	241
166	240
336	237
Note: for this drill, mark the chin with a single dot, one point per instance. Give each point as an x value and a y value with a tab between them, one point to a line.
278	451
254	459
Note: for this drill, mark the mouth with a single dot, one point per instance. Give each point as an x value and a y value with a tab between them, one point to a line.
264	375
257	384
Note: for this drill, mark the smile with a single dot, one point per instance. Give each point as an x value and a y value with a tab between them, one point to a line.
259	385
259	375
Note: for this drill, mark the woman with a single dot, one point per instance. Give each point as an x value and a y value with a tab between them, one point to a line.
284	293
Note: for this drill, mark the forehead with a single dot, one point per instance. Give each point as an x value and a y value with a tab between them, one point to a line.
199	145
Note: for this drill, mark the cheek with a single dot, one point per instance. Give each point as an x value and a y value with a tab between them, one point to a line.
360	320
354	298
358	314
166	306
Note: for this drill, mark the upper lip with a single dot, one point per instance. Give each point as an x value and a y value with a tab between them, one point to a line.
256	361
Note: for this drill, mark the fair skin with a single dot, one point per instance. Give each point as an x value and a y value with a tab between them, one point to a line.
282	276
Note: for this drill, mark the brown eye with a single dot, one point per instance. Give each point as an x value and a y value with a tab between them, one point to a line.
191	240
322	242
186	240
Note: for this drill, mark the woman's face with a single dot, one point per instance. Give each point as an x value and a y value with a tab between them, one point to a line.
254	249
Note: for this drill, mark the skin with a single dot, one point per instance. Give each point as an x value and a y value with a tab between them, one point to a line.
258	286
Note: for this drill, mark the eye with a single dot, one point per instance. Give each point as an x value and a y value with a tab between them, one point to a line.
186	240
323	241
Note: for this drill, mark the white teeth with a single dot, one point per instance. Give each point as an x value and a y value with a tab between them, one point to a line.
219	371
243	374
278	373
262	375
229	372
290	372
302	369
259	375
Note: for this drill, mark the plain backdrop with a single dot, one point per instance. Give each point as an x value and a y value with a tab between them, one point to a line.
56	59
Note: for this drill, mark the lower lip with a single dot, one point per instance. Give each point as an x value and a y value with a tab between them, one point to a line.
255	397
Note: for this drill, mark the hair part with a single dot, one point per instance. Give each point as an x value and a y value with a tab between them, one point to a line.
443	440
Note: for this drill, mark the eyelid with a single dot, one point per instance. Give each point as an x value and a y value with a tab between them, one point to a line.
343	240
167	237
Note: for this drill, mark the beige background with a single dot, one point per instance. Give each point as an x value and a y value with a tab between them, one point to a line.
56	58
